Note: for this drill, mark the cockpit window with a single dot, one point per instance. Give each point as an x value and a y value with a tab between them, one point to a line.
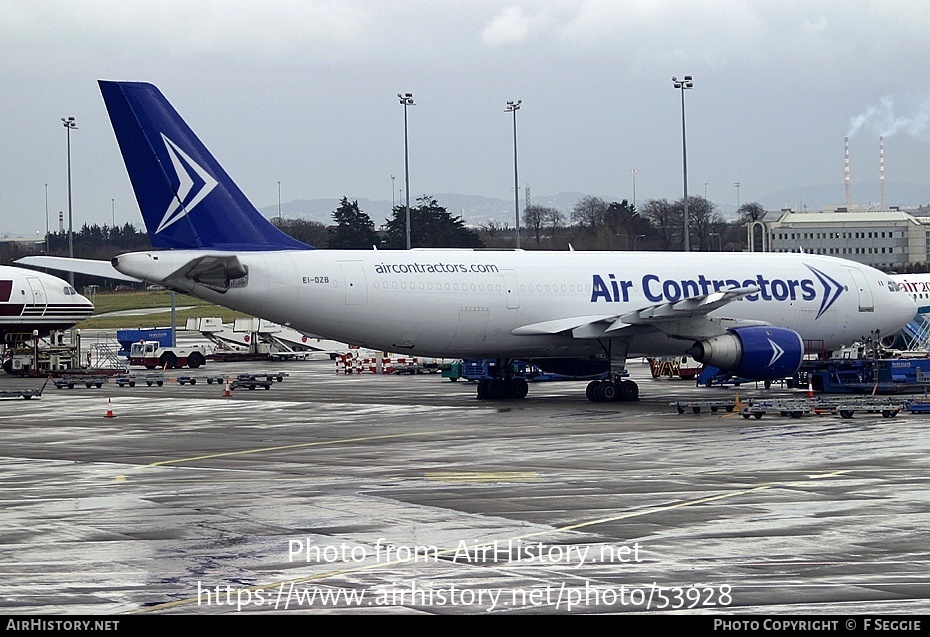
894	287
70	291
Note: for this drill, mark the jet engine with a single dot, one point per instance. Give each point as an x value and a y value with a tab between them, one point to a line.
756	353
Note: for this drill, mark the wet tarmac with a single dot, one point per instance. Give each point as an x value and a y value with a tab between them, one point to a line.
403	494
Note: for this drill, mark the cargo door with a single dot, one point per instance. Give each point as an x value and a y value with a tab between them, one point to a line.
36	303
356	287
513	293
866	304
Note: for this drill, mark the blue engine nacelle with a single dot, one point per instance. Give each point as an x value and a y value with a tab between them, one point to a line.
756	353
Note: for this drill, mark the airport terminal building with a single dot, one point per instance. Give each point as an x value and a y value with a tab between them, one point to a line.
885	239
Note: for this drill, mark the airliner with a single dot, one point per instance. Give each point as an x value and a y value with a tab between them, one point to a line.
34	301
917	286
576	313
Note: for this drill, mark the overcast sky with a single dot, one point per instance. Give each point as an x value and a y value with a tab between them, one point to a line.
304	92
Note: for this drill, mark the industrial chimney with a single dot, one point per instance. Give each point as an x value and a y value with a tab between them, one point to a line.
881	170
846	143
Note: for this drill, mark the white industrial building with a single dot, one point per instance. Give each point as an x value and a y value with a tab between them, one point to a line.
885	239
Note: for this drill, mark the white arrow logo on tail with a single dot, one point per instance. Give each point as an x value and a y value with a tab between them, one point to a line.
184	203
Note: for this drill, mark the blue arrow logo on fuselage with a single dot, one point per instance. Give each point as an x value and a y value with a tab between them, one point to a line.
831	290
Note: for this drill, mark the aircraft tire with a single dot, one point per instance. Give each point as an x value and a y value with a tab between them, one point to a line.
628	391
518	388
497	389
590	391
606	391
483	389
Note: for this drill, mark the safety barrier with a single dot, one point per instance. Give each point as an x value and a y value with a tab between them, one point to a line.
352	364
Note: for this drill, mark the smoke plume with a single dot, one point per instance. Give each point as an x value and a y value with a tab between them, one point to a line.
883	121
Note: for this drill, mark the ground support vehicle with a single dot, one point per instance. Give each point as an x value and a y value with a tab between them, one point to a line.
88	380
865	375
23	393
251	381
152	378
843	407
152	355
185	379
683	367
695	406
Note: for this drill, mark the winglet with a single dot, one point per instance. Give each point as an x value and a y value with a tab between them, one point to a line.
186	198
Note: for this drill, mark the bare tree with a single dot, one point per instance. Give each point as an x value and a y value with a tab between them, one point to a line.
589	212
703	221
537	217
666	218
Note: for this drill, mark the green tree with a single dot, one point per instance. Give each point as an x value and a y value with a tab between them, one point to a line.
431	226
354	230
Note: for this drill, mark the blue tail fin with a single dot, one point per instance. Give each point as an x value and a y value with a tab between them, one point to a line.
186	198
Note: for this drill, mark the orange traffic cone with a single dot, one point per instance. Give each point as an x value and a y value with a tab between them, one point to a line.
227	393
810	387
109	409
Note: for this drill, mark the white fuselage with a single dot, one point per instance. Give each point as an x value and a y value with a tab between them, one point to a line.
464	303
917	286
35	301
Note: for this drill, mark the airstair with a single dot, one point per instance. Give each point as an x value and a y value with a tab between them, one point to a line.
916	334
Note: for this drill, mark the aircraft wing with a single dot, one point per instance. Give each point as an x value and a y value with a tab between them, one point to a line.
79	266
686	318
684	309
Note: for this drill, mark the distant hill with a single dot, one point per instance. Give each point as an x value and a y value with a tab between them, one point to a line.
477	211
903	195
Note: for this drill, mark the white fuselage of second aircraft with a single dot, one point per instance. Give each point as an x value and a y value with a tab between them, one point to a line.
917	286
516	304
35	301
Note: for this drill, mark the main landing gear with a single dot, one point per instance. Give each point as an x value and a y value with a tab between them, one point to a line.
615	387
502	388
606	391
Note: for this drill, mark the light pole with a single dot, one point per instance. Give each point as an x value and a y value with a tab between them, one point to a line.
279	200
406	99
737	197
635	238
682	85
719	240
513	107
393	201
68	123
113	212
46	218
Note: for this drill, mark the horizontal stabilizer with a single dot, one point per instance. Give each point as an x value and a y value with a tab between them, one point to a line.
90	267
